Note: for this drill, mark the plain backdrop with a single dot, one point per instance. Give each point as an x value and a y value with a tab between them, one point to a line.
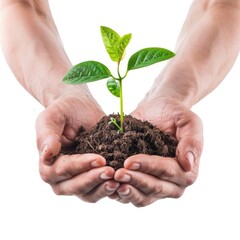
209	209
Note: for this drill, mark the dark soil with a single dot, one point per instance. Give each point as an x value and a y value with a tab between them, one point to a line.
138	137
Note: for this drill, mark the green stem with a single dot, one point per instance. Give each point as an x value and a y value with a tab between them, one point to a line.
121	106
114	121
121	98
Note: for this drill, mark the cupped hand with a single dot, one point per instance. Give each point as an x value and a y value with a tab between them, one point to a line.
85	175
145	179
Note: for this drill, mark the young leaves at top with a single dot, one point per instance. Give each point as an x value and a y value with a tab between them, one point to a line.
114	44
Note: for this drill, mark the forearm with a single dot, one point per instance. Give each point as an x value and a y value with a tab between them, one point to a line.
34	51
206	50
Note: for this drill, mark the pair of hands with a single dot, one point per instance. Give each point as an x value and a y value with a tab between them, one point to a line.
144	179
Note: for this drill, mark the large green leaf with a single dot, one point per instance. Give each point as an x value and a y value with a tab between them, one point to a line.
113	87
85	72
148	56
111	41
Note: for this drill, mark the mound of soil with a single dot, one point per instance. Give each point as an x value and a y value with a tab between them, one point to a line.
138	137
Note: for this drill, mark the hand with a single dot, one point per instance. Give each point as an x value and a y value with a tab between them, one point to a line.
85	176
145	179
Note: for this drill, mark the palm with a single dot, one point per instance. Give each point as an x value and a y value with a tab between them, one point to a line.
161	113
67	115
172	116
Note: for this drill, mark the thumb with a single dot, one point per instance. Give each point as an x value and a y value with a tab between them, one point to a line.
188	152
49	128
190	133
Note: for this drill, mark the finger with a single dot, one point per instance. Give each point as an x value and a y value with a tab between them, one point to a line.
148	184
161	167
128	193
190	135
68	166
49	128
103	190
116	197
84	183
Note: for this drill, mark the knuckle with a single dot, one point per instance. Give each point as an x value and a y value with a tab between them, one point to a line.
152	168
190	179
81	191
158	188
170	172
142	203
45	175
164	170
57	190
60	171
88	198
178	193
141	184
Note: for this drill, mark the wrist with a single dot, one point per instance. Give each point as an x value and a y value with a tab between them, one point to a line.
179	82
51	93
48	87
48	96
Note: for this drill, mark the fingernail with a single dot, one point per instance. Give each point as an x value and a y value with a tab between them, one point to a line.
135	166
125	178
104	176
124	193
112	189
96	164
44	149
190	157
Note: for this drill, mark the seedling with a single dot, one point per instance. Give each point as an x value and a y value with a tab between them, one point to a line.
115	45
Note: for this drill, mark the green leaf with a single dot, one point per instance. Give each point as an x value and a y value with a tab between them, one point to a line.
113	87
125	40
148	56
85	72
111	41
114	44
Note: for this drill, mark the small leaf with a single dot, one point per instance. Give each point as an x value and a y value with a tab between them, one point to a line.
114	44
85	72
113	87
125	40
148	56
111	41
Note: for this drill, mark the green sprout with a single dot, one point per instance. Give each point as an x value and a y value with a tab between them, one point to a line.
115	45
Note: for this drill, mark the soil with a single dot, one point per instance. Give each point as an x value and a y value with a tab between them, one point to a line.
138	137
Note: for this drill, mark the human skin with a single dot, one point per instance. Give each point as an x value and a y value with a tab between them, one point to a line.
184	82
29	36
207	47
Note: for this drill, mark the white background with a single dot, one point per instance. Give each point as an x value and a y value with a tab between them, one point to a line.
209	209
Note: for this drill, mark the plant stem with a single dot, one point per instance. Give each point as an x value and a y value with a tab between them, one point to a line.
121	98
121	105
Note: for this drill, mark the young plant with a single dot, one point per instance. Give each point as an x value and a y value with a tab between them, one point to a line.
115	45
